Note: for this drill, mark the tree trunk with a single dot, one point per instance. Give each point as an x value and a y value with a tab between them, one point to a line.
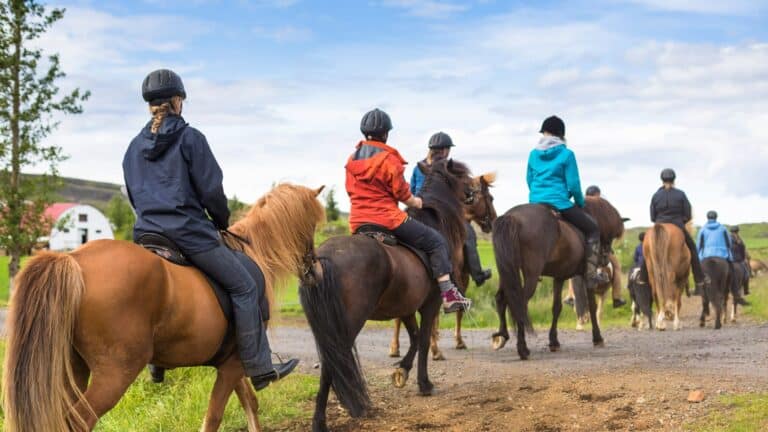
14	265
14	200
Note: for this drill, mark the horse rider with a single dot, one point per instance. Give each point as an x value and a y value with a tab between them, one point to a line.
173	180
637	258
714	241
439	148
553	178
740	256
671	205
375	184
594	191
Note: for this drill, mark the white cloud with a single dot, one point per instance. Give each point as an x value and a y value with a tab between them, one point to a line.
427	8
731	7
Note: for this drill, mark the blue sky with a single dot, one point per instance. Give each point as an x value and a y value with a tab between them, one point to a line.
279	86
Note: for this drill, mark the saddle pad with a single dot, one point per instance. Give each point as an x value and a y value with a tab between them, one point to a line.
383	235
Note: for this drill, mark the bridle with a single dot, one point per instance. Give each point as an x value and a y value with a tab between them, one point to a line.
471	195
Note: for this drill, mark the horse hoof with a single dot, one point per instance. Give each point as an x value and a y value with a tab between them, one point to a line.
599	344
701	324
460	345
499	342
394	353
554	348
399	377
438	357
427	391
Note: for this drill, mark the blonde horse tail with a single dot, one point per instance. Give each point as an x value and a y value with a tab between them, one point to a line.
661	265
39	386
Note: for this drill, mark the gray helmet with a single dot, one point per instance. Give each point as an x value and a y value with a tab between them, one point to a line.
161	85
592	191
440	140
668	175
375	123
712	215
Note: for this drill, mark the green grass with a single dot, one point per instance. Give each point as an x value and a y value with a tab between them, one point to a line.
735	413
179	404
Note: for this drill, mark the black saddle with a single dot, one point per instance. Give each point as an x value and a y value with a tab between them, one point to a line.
383	235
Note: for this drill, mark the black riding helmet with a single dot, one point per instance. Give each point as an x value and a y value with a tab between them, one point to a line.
712	215
375	124
440	140
592	191
553	125
735	229
161	85
668	175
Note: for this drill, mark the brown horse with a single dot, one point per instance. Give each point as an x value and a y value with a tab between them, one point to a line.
668	261
531	239
359	278
478	208
716	292
107	309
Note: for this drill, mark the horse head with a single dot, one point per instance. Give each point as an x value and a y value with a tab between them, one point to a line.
479	202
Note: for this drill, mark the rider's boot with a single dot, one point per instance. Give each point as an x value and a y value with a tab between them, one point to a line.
591	273
279	371
453	301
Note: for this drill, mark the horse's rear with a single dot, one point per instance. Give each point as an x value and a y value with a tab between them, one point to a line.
668	262
715	292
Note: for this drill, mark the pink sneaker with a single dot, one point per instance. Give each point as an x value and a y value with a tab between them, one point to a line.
453	301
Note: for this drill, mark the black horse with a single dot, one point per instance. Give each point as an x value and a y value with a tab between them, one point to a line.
719	272
357	278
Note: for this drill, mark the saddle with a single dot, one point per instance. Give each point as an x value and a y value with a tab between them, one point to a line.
165	248
387	237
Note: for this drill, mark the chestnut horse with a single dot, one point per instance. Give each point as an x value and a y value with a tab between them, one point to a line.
357	278
107	309
478	208
531	239
668	261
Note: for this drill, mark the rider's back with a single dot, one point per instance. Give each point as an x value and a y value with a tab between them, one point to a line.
670	205
553	177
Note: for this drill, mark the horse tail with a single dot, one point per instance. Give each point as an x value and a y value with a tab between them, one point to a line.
661	265
39	386
334	339
506	246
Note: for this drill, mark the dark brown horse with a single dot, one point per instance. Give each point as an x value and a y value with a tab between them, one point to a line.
478	208
531	239
716	292
358	278
82	325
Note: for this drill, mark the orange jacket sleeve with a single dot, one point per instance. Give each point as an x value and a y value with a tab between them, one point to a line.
400	188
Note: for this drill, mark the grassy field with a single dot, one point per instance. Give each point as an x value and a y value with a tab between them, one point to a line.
179	404
736	413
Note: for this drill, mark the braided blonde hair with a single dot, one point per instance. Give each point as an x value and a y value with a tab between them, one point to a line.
160	112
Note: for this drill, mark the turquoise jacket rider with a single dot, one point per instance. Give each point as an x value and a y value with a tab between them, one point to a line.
553	177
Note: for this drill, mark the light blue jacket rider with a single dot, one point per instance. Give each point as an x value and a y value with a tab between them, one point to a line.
714	241
553	177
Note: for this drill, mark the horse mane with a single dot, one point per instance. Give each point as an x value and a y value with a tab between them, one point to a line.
607	217
280	229
439	194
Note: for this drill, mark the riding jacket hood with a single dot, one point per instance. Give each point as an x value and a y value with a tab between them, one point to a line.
173	179
553	176
375	184
714	241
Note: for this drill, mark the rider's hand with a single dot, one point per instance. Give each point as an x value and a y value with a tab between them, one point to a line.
414	202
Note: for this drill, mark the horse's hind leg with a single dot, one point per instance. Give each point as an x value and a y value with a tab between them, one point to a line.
704	311
460	345
597	338
394	346
400	376
500	338
557	307
106	388
321	403
250	404
434	337
428	312
677	324
227	376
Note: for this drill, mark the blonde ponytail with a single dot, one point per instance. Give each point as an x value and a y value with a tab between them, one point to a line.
160	112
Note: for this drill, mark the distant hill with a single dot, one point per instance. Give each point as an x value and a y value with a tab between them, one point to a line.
88	192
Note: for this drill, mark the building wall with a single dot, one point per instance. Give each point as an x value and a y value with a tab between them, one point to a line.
77	225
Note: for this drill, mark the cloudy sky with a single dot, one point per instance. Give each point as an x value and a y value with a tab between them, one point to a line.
279	86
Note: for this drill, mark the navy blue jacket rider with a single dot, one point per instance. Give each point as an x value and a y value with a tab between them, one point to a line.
173	179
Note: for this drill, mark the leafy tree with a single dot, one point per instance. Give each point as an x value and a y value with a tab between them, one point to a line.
236	208
30	104
331	207
120	214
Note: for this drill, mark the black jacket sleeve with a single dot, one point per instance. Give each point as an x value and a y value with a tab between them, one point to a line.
653	208
207	178
686	208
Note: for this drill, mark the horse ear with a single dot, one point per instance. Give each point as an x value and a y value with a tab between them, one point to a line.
488	178
318	190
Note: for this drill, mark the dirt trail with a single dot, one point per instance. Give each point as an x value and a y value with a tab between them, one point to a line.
638	381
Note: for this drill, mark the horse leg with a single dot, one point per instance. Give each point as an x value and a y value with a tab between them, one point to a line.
250	404
529	287
400	376
597	338
704	303
227	376
557	306
428	312
460	345
434	337
106	388
394	346
321	403
677	324
500	338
